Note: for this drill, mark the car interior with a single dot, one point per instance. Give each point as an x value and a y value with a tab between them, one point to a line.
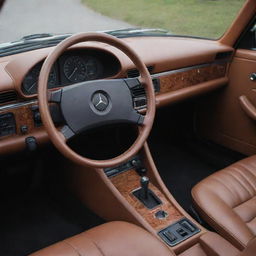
148	150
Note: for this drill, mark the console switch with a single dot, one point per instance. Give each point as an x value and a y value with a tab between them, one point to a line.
182	232
169	235
187	225
178	232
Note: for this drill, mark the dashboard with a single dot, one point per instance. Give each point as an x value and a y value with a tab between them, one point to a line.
182	69
73	67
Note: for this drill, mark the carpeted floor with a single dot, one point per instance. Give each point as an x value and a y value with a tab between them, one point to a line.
33	221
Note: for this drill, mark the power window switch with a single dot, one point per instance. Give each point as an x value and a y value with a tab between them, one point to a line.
182	232
170	236
188	226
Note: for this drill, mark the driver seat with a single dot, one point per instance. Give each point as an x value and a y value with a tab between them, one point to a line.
110	239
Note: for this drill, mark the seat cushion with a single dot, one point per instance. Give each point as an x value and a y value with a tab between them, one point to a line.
227	201
111	239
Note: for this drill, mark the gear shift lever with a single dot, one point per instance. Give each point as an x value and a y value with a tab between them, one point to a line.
146	195
144	181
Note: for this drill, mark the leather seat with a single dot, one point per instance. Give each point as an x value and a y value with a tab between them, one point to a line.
110	239
227	201
124	239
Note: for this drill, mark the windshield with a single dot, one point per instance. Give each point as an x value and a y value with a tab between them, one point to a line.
201	18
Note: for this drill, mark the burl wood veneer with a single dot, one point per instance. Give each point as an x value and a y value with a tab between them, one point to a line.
23	116
129	181
179	80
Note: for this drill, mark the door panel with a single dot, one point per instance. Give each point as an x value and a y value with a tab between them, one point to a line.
222	118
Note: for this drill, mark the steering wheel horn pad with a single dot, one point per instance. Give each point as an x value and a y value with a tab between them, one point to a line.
96	103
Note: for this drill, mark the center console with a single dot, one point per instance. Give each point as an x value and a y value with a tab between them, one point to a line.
131	180
134	192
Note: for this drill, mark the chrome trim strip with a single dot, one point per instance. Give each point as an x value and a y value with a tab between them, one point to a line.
175	71
17	105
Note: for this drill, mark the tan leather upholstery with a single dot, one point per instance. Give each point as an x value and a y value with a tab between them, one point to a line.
211	244
124	239
111	239
227	201
250	249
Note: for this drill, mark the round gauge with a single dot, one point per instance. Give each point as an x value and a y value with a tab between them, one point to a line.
75	69
29	85
92	68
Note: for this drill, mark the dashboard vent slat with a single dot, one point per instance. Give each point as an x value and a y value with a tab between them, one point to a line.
8	97
138	91
135	73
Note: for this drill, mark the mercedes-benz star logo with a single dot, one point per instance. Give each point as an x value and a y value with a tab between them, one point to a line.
100	101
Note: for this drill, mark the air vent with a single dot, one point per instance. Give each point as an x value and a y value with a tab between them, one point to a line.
8	97
223	55
135	73
139	91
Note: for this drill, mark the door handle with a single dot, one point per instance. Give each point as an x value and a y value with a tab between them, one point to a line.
248	107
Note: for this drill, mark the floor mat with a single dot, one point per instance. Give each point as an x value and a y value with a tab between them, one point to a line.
31	222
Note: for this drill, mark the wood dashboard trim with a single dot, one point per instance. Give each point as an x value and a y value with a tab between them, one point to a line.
23	116
174	71
187	77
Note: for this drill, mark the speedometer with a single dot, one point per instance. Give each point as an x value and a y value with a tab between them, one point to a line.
75	69
30	81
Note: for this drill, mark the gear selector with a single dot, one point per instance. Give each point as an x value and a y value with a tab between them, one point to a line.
144	181
145	195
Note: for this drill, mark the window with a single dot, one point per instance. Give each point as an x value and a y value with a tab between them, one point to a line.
200	18
248	39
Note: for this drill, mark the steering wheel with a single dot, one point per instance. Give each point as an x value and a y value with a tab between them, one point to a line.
95	103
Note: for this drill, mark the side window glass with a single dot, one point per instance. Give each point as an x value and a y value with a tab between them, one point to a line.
248	40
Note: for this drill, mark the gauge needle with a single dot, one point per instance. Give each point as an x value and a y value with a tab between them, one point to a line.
29	89
74	71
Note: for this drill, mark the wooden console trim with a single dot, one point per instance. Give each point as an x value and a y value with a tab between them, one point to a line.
23	116
129	181
176	80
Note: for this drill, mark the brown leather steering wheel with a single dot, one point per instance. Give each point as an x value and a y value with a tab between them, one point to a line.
94	103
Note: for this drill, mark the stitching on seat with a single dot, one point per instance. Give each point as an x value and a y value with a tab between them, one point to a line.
74	248
88	237
248	169
246	177
249	181
220	181
250	220
243	203
252	173
240	183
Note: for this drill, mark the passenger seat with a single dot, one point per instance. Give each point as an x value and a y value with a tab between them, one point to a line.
227	201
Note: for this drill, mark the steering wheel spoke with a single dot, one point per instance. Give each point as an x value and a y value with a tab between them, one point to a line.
55	96
67	133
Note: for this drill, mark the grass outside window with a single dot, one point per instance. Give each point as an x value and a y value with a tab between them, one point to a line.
203	18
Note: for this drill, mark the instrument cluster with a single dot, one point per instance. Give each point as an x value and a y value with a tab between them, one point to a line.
73	67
